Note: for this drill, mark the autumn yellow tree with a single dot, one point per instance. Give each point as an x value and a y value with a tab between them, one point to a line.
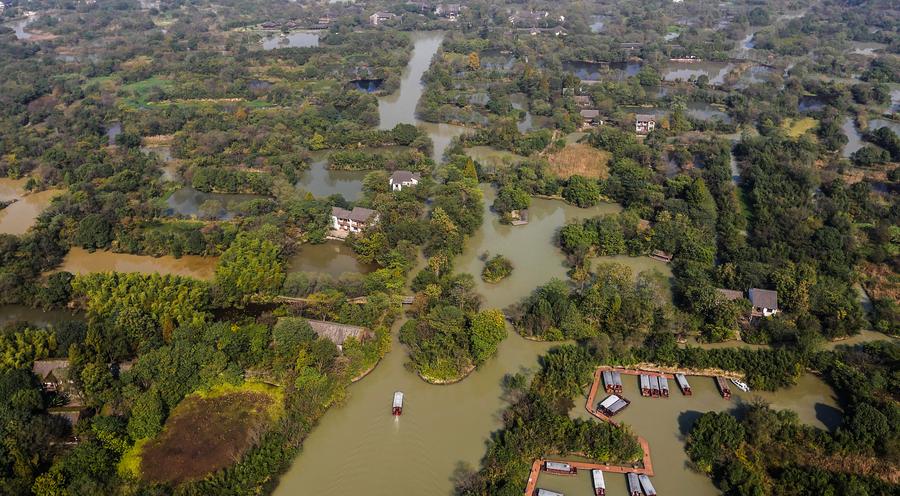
474	61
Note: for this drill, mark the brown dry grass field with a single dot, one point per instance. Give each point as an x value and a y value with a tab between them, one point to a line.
580	159
206	434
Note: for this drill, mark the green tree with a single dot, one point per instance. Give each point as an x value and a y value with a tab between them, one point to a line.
147	415
249	268
487	330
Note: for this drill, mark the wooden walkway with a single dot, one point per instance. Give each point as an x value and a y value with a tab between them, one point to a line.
361	300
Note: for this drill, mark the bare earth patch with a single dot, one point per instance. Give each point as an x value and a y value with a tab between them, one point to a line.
204	435
580	159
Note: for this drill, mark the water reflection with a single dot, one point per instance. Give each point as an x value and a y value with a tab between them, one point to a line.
332	257
322	181
400	106
294	39
192	203
531	248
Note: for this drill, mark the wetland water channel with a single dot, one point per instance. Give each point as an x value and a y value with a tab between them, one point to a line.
359	448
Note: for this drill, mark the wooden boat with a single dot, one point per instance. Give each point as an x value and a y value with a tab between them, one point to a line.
741	385
608	384
723	387
683	384
617	382
634	484
647	485
645	385
397	405
654	386
612	405
664	386
599	483
559	468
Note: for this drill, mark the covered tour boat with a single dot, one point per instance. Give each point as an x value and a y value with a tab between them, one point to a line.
634	484
560	468
397	406
654	386
608	383
664	386
723	387
683	384
647	485
599	483
645	385
617	382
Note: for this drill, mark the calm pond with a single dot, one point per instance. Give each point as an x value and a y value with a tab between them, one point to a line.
322	181
294	39
20	215
81	261
530	248
34	316
332	257
715	71
192	203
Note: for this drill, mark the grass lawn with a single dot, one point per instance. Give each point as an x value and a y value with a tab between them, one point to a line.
208	431
138	92
580	159
797	127
493	157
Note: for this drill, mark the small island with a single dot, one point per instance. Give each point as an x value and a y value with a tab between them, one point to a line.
496	269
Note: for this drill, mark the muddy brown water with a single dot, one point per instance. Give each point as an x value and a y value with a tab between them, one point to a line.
81	261
19	216
400	106
332	257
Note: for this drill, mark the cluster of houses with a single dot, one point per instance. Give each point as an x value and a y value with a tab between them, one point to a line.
322	23
344	222
590	117
448	11
763	302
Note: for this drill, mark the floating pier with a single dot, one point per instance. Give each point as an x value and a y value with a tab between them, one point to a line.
599	483
634	484
683	384
723	387
397	405
560	468
646	485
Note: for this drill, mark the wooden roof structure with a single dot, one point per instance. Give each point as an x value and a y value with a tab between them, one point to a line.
338	333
